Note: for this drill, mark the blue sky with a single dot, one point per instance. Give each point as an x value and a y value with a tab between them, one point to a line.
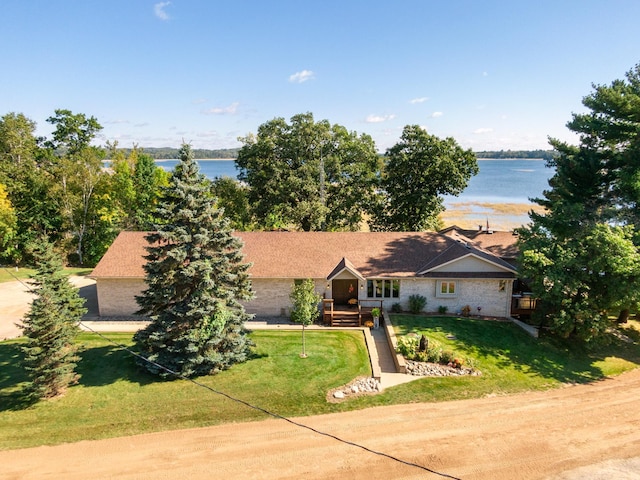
492	74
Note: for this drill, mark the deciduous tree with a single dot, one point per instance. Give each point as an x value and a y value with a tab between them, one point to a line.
29	185
77	168
418	171
195	279
232	197
311	175
8	224
305	302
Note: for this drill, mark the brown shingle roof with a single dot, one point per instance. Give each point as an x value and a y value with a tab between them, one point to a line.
124	259
502	244
310	254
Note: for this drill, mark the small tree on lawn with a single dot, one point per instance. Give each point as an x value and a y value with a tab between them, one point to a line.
50	327
195	277
305	306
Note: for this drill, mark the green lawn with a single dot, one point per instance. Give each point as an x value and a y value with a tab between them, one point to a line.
510	360
9	274
114	398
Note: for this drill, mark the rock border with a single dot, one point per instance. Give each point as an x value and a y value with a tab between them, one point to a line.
358	387
428	369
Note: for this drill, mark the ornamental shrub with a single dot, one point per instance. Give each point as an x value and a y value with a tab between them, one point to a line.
417	303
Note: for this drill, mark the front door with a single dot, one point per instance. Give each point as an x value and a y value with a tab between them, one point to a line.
343	290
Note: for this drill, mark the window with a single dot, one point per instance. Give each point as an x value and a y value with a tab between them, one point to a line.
383	288
446	288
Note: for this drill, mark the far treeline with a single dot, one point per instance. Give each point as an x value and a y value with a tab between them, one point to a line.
166	153
504	154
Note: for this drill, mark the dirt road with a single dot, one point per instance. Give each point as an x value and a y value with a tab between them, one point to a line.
526	436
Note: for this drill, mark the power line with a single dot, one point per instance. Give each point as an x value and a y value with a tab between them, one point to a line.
265	411
250	405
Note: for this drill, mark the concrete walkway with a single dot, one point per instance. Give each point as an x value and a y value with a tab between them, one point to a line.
389	377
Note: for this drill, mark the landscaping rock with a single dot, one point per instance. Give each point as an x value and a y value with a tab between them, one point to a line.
426	369
359	386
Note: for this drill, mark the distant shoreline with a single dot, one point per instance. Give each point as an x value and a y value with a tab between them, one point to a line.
160	160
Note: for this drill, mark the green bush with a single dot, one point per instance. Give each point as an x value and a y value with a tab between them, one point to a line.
407	347
434	352
442	309
417	303
396	308
447	357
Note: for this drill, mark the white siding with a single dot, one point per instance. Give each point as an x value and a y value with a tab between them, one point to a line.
469	264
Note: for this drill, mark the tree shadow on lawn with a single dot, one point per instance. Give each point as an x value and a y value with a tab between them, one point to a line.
97	366
12	377
512	348
104	365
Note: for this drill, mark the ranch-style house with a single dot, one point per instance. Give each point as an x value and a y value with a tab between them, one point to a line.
351	270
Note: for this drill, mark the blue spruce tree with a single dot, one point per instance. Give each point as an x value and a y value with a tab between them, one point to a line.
195	277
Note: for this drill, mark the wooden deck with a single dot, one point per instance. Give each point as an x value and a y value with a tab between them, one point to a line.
523	305
348	315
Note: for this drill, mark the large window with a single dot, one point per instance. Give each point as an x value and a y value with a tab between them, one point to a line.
446	288
383	288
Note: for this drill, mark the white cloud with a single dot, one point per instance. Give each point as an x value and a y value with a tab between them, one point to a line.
301	77
418	100
158	9
117	121
379	118
199	101
485	74
208	134
482	131
436	114
143	124
228	110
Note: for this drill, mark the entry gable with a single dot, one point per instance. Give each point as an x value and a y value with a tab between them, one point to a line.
345	265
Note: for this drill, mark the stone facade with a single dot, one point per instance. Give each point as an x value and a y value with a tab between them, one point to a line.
272	296
493	296
117	296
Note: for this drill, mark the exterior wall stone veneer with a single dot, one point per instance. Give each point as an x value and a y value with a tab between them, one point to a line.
271	296
484	293
117	296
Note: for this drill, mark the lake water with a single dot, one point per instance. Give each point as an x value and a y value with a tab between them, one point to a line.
499	182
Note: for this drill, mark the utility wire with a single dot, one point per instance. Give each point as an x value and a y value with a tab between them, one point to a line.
249	405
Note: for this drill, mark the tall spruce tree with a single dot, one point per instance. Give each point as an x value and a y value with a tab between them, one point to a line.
50	327
195	276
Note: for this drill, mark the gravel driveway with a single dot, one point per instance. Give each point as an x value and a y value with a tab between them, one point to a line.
15	299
